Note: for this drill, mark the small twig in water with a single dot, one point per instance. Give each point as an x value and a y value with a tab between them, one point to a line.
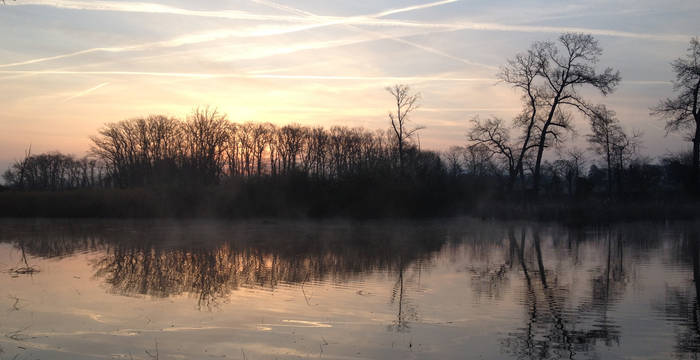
24	270
151	355
17	335
15	306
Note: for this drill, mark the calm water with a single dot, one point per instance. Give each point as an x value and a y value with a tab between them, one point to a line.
381	290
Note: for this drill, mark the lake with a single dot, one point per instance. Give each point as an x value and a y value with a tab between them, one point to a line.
451	289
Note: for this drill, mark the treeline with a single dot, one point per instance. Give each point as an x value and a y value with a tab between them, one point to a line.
55	171
206	164
206	149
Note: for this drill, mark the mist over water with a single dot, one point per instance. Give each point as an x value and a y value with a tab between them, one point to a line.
438	289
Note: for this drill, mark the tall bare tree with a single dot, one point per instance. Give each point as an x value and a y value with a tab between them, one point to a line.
561	70
606	134
682	113
406	103
521	72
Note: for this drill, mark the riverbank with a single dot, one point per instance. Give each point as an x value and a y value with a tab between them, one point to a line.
356	201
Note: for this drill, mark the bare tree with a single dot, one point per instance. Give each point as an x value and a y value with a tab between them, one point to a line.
494	136
570	166
561	71
406	103
682	113
206	134
606	134
521	72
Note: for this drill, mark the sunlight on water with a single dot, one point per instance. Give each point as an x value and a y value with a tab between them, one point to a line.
339	290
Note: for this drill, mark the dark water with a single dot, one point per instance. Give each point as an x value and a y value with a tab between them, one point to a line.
449	289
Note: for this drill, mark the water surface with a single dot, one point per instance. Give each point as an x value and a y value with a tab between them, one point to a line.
450	289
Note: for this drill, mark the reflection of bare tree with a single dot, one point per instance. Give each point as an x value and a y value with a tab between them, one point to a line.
562	315
681	305
554	328
209	262
406	312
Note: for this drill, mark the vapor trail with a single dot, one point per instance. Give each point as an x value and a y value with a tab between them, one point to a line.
371	19
380	36
85	92
246	75
203	37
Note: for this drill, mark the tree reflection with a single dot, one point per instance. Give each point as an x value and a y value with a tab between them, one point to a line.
209	262
680	306
566	282
554	327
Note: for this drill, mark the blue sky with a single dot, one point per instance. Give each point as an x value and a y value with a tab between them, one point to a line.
68	66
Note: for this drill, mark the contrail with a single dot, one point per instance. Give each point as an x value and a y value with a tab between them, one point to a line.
85	92
317	22
175	42
151	8
412	8
246	75
380	36
563	29
371	19
197	38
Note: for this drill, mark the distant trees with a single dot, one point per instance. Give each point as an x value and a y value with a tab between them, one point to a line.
140	151
609	140
550	76
206	148
53	172
682	113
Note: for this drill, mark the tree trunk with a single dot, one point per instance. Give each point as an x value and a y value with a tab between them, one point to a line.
540	151
696	156
609	170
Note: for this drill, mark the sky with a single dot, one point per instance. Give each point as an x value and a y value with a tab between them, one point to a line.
69	66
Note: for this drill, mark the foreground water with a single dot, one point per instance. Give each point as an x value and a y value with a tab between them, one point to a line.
380	290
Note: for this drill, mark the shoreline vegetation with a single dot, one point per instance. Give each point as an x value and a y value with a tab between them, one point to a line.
303	199
205	165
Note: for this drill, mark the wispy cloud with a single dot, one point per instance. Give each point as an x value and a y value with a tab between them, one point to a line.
85	92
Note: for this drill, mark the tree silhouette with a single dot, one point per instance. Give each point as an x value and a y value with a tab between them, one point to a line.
561	70
682	113
610	140
406	103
